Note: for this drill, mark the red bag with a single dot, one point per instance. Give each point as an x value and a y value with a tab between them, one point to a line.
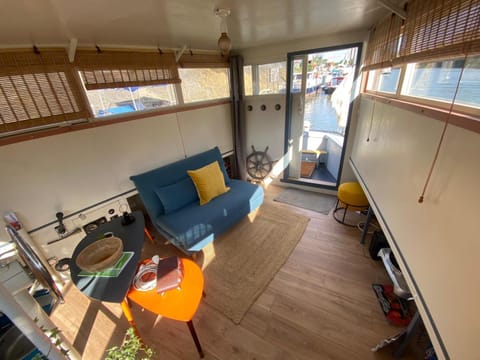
169	274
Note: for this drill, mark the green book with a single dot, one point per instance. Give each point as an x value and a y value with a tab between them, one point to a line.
113	271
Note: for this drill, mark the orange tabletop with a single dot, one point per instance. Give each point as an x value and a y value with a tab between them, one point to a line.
178	304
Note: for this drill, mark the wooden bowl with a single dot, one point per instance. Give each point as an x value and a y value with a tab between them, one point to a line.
100	255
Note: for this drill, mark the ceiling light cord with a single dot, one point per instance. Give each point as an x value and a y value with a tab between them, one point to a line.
440	142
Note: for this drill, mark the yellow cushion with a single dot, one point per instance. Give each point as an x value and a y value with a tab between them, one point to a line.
209	182
351	193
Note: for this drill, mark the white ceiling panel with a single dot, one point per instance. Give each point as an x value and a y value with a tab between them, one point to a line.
174	23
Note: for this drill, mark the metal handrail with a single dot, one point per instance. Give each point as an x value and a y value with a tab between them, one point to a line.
34	263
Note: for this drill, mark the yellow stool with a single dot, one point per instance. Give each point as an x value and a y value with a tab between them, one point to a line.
350	197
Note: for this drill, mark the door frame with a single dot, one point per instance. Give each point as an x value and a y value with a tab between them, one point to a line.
288	110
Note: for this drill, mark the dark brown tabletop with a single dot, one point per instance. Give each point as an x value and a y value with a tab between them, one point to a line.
111	289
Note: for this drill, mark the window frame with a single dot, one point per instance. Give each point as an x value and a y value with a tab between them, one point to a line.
94	117
179	89
412	44
470	111
40	128
256	78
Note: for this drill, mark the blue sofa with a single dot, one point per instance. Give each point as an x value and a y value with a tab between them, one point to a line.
172	203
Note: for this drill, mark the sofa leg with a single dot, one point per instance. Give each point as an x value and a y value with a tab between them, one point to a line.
253	214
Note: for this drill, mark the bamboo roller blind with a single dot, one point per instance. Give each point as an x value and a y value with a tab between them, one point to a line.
42	88
38	89
116	69
383	44
433	29
194	60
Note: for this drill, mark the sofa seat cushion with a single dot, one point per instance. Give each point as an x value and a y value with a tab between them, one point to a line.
194	223
177	195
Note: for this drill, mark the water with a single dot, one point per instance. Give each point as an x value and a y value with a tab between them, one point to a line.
321	115
440	84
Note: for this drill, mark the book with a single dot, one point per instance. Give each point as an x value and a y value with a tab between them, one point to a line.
112	271
169	274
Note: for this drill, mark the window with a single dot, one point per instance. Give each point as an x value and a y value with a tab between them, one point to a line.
438	80
384	80
106	102
265	78
272	78
118	82
204	84
371	80
42	89
248	80
297	76
429	48
388	80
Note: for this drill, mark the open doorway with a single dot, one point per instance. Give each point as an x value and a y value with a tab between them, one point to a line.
319	88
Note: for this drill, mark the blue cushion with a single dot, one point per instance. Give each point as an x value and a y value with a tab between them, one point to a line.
195	223
176	196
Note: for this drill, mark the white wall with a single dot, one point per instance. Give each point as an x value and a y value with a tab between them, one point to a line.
266	128
438	239
71	171
278	52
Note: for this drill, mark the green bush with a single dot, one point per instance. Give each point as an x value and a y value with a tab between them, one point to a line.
132	348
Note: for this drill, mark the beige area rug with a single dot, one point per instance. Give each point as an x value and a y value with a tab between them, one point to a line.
241	263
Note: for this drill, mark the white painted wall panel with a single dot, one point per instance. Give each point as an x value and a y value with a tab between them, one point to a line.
206	128
266	128
278	52
438	239
71	171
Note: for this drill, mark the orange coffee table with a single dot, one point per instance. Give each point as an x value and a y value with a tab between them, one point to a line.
178	304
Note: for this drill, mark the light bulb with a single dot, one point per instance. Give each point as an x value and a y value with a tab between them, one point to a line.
224	43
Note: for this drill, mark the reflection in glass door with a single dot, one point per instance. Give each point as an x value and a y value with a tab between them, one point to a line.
320	85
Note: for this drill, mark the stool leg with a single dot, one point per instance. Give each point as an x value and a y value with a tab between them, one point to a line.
344	213
195	338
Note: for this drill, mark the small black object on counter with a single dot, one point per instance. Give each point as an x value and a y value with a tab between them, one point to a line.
127	218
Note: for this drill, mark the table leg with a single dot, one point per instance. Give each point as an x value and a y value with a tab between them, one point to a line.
407	336
128	314
148	235
195	338
367	224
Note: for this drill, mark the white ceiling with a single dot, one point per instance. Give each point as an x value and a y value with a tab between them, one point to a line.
174	23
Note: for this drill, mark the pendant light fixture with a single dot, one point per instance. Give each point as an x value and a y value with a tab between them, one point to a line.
224	42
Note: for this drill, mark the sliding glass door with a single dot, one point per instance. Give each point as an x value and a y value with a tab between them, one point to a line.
319	93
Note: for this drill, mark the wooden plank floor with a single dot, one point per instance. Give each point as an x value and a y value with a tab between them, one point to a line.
320	305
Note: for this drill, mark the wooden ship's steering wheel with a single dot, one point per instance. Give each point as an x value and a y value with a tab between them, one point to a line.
259	164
